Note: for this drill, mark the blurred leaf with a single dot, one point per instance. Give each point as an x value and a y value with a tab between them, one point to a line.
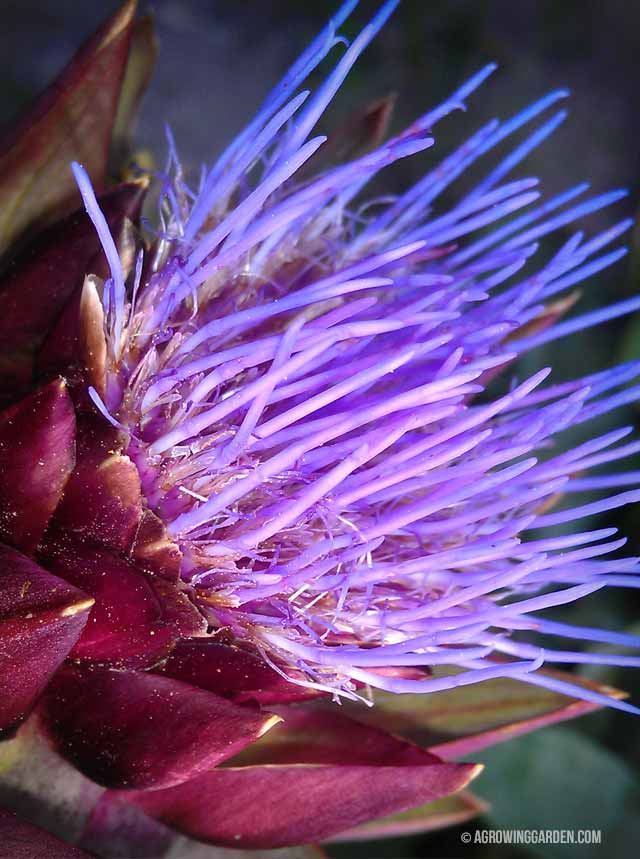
72	119
459	721
185	848
608	673
426	818
629	345
557	779
609	725
143	53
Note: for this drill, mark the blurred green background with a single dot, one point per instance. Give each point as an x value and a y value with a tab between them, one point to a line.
217	59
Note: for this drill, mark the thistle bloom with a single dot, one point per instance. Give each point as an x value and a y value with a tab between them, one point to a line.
295	475
298	373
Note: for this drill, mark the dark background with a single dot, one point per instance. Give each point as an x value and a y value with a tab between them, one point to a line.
217	60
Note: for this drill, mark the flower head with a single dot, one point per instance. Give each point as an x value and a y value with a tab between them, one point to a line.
303	375
280	451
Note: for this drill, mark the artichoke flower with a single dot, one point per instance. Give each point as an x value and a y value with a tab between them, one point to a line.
274	538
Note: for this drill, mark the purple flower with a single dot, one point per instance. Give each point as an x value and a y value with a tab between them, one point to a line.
302	372
262	459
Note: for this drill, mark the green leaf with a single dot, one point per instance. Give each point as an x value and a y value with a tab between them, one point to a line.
449	811
557	779
457	722
629	348
143	54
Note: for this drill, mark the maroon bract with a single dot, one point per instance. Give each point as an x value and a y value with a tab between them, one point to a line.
41	618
